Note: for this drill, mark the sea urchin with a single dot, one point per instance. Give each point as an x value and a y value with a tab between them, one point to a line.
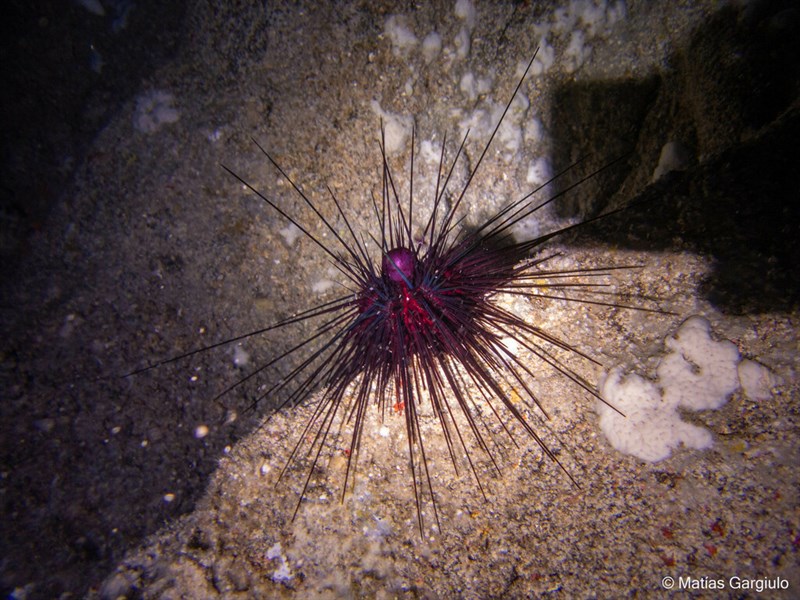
420	322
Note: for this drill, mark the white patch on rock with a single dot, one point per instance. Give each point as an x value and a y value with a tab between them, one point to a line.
462	43
757	380
577	52
698	374
154	110
545	58
397	129
467	86
290	233
322	285
402	38
650	429
465	10
283	574
482	121
539	172
241	357
431	46
674	157
429	152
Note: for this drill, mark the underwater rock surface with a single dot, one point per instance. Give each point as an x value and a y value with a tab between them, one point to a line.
146	487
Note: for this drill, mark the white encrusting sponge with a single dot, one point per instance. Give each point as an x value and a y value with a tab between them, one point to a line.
698	374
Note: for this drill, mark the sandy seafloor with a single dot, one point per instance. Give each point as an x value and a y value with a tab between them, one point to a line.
153	249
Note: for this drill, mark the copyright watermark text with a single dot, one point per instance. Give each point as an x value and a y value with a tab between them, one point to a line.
762	584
